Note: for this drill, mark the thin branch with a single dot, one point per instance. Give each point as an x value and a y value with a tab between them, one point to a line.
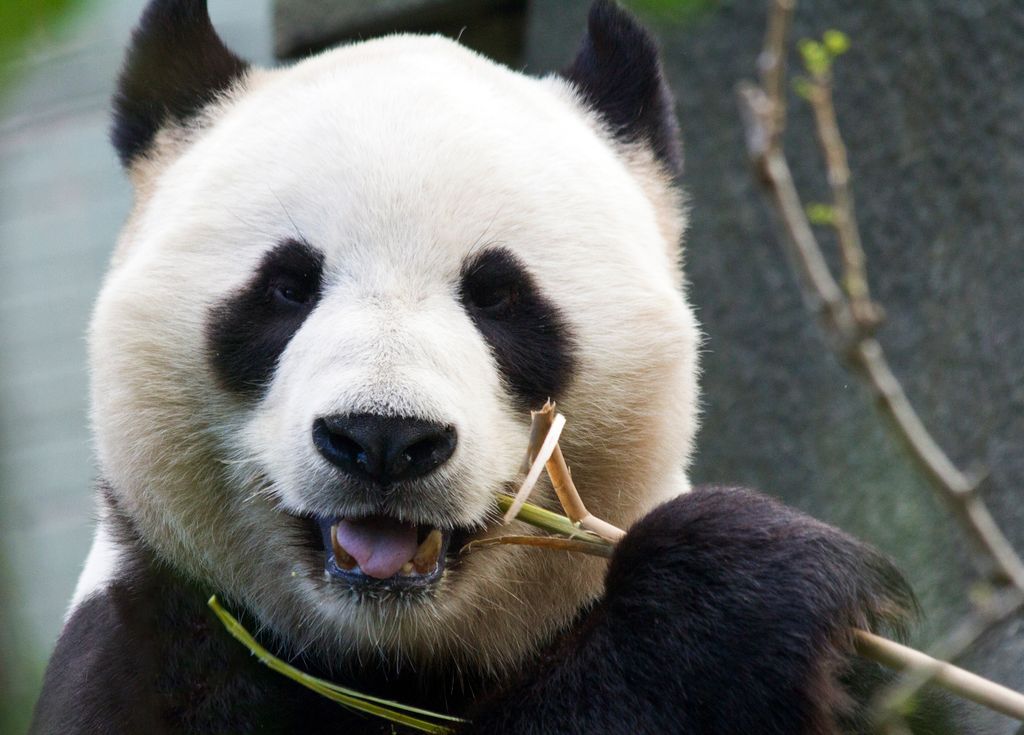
772	65
850	318
855	279
851	336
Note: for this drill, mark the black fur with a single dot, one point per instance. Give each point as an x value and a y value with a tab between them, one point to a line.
725	612
618	71
175	66
530	339
249	330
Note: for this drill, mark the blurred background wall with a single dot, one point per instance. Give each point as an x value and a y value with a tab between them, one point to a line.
931	102
62	202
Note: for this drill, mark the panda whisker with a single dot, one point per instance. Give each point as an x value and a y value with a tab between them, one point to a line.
477	243
295	227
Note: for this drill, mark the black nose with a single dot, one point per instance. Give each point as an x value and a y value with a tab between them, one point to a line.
383	448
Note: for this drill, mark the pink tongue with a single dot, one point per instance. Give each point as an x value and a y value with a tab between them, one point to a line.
380	545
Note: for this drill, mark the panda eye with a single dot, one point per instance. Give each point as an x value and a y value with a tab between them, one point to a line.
493	285
493	299
288	291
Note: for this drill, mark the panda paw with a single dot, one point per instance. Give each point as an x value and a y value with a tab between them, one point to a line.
744	608
724	612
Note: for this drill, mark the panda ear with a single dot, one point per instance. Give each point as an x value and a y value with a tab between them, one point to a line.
175	66
618	73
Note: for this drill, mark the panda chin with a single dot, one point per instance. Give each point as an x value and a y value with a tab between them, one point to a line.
382	554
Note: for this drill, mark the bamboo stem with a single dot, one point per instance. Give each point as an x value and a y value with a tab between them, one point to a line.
548	542
569	496
967	685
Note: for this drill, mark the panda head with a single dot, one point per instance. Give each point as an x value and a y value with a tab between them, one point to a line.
344	284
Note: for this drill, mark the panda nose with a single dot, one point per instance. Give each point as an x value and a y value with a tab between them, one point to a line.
383	449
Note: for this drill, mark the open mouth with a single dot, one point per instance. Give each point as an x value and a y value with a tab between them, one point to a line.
383	552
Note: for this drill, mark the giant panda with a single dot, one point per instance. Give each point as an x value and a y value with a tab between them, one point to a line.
343	286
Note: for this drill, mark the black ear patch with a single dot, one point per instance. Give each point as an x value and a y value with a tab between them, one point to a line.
175	66
618	72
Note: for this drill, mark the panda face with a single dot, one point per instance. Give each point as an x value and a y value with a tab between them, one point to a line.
343	287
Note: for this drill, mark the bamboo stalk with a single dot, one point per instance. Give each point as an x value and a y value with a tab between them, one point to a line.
548	520
967	685
545	428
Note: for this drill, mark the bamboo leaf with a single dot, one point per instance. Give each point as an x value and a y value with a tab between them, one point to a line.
387	709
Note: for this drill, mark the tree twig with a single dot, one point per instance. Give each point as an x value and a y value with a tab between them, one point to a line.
865	312
852	337
771	65
850	318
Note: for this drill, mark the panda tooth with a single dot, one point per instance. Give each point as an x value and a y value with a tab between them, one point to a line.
426	555
407	568
341	557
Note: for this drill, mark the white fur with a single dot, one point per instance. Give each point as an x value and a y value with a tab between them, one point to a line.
100	568
397	158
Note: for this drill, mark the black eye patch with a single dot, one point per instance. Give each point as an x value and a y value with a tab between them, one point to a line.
247	332
528	336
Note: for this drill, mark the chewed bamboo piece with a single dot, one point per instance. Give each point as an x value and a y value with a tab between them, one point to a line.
545	430
601	538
